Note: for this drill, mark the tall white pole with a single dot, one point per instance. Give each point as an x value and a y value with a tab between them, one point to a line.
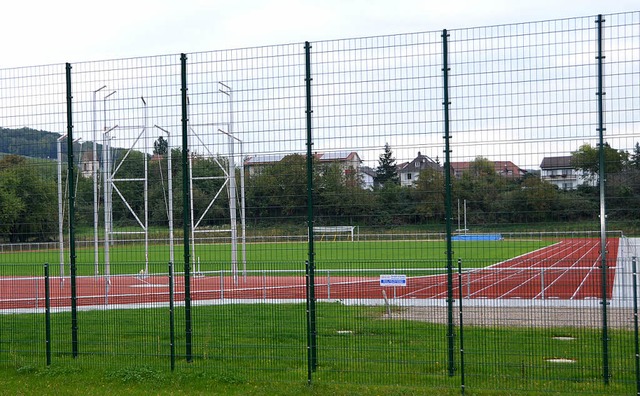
232	187
94	171
60	208
146	193
243	215
465	216
106	158
170	183
193	228
170	215
107	180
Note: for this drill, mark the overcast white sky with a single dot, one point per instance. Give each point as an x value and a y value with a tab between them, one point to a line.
36	32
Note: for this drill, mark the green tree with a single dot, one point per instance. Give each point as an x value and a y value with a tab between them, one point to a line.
634	159
340	197
386	172
160	146
429	194
26	197
279	190
11	207
587	159
535	200
481	186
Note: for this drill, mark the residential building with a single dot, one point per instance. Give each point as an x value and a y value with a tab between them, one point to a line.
367	177
255	164
560	172
87	164
409	172
349	161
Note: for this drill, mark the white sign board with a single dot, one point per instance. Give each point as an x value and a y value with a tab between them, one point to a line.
393	280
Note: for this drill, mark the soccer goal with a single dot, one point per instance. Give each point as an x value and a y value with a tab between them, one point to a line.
336	232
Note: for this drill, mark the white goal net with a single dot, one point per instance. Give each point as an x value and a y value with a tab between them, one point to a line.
334	232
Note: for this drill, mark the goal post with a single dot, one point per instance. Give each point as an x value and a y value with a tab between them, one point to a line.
335	230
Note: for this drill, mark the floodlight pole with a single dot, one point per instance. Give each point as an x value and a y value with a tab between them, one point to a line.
242	207
107	207
243	222
106	160
146	193
104	109
94	171
170	187
465	217
192	218
226	90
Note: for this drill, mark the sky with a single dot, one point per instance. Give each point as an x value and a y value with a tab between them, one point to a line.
39	32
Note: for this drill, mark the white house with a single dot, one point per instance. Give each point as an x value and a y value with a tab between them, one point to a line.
87	164
560	172
409	172
367	177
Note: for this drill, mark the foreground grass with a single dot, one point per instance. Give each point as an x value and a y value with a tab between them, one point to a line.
260	349
144	381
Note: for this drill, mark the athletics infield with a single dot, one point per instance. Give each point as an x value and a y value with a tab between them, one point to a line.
567	270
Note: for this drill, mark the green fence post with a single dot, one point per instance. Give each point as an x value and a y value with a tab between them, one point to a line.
462	385
603	220
448	210
172	333
47	313
310	264
185	207
72	240
635	323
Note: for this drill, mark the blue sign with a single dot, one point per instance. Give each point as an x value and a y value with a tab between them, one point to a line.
393	280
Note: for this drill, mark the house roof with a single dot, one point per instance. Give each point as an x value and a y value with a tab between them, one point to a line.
417	164
501	167
322	157
338	156
556	162
368	171
264	159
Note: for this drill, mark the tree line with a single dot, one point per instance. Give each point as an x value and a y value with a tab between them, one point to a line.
277	194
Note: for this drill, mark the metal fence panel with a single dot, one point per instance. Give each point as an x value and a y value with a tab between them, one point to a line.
446	210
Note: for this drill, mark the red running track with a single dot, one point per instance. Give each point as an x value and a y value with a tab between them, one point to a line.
566	270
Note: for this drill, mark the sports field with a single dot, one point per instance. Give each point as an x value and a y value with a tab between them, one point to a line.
508	269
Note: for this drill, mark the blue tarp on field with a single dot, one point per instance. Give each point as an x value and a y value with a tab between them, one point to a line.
477	237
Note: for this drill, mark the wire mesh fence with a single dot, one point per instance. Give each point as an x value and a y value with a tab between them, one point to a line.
446	210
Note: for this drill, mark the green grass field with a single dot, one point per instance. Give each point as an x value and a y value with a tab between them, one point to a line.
261	349
129	259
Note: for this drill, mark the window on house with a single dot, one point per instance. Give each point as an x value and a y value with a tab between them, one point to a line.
408	176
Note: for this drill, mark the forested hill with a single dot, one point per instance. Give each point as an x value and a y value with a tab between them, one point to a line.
29	142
